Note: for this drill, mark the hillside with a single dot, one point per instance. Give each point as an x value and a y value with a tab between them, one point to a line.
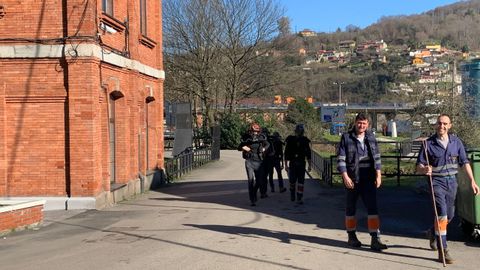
375	76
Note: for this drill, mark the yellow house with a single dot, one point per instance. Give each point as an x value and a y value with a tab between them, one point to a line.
417	61
434	47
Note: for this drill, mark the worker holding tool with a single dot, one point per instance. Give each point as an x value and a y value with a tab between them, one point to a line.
440	157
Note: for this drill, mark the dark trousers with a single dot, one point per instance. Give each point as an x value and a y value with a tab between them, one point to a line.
274	163
365	189
255	177
296	177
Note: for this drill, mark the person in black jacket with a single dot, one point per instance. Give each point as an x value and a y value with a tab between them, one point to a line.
253	147
276	144
297	149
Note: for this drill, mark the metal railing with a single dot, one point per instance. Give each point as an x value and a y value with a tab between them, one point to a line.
326	166
186	161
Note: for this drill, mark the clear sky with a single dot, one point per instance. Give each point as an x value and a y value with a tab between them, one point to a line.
328	15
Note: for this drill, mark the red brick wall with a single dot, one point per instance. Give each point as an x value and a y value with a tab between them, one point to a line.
34	127
31	19
20	218
54	112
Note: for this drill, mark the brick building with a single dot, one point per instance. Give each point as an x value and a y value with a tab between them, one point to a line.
81	100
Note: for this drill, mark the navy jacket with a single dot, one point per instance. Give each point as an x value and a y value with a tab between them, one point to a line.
348	159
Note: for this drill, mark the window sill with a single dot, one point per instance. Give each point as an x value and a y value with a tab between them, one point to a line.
147	41
112	22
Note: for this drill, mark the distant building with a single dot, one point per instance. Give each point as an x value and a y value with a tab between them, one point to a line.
307	33
434	47
347	45
471	84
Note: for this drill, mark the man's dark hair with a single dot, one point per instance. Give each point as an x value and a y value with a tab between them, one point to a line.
362	116
444	115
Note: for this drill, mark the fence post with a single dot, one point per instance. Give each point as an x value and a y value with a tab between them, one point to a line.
398	169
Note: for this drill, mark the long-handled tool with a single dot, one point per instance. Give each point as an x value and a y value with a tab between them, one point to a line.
434	205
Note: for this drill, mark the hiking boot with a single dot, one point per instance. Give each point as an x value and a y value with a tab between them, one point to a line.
432	239
448	258
253	204
283	190
377	244
353	241
299	201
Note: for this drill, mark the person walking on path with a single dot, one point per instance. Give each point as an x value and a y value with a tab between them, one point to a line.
253	147
440	157
359	163
268	161
277	162
297	149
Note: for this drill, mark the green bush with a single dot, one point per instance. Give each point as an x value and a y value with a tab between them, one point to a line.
231	127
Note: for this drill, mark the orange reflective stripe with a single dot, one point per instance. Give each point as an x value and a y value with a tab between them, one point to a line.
350	223
373	223
442	223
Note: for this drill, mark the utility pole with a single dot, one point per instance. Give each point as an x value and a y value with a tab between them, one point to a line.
339	90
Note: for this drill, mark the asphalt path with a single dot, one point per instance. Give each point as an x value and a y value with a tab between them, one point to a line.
205	221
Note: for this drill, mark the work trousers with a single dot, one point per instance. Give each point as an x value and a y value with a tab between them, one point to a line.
445	189
367	191
296	177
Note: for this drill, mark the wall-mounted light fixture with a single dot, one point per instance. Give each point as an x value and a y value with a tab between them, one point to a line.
150	96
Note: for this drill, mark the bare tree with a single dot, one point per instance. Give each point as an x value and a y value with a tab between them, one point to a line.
220	50
191	54
248	27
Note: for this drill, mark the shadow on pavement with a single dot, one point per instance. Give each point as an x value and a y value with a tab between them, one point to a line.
403	212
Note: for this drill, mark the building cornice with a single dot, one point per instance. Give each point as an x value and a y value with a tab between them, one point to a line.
76	51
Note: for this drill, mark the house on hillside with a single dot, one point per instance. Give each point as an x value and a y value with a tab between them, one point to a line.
81	101
307	33
347	45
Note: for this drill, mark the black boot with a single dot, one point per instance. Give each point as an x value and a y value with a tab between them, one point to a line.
353	240
292	195
299	198
432	239
448	258
377	244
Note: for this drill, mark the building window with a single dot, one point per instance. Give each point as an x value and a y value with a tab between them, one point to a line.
107	7
143	17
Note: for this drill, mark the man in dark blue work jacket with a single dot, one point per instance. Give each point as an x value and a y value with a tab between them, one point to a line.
359	163
445	153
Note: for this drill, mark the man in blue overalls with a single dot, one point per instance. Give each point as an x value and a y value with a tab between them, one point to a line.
359	163
445	154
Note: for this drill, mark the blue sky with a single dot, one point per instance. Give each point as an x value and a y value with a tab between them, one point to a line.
327	15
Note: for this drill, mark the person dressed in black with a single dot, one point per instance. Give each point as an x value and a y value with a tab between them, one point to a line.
253	147
276	144
268	164
297	149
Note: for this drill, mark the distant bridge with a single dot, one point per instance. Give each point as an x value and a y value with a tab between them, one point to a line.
380	108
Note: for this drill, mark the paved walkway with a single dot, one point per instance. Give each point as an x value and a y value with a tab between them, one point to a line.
204	221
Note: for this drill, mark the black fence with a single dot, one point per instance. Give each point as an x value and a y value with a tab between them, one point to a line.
403	158
186	161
